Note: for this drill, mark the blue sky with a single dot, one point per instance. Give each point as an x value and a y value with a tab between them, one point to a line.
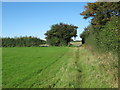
35	18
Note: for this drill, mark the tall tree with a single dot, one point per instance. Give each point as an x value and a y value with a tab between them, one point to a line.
61	34
101	12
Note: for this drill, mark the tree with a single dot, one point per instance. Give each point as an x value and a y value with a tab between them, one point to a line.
101	12
61	34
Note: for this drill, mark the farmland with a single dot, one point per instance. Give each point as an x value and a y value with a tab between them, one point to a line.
56	67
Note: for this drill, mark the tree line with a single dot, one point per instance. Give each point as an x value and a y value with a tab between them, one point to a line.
26	41
103	31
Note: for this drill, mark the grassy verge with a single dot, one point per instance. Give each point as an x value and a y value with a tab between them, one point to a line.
98	70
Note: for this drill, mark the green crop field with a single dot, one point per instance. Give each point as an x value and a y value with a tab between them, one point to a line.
55	67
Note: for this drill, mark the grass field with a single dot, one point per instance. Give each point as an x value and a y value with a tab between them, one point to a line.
55	67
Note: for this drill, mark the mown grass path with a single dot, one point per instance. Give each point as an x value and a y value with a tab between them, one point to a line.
54	67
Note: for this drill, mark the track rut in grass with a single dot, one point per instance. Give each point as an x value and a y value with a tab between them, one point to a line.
69	74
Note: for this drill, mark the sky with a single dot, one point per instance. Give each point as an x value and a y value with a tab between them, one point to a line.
35	18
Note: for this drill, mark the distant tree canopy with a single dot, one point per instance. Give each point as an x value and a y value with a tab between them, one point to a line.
26	41
61	34
102	33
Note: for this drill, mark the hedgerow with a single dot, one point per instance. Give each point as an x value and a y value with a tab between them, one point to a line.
106	38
